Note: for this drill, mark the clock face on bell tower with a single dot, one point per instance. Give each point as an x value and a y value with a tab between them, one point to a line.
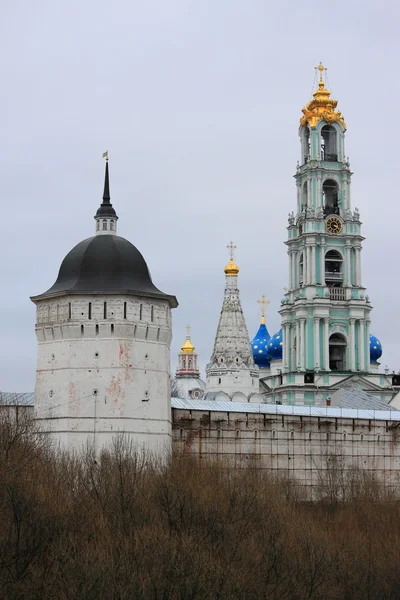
334	225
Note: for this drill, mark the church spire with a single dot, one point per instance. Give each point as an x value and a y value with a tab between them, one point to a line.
106	193
231	368
106	217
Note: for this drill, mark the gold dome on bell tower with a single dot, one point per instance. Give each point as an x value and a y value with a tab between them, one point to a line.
322	106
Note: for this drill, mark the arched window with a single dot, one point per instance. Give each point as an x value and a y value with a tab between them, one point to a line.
301	269
329	152
330	190
104	225
337	352
333	269
112	225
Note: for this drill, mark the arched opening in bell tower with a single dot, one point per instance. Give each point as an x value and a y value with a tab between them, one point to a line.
329	151
333	269
337	352
330	192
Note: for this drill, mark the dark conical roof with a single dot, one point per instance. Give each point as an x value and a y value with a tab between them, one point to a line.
105	264
106	209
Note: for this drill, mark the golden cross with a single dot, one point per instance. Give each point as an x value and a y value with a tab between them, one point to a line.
231	247
105	155
321	69
263	303
188	331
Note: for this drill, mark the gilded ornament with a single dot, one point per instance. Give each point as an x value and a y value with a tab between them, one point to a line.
322	107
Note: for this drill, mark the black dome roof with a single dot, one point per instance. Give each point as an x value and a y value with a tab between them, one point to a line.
105	264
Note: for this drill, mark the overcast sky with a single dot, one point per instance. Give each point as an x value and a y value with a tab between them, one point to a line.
198	104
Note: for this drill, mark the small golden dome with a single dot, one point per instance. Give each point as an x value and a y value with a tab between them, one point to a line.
231	269
188	347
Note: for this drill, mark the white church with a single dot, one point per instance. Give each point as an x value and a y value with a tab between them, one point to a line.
104	333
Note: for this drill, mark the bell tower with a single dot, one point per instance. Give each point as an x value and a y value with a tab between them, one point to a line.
325	311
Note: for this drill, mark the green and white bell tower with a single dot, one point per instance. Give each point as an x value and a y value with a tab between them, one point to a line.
325	311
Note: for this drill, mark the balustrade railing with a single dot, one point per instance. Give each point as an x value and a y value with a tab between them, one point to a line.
337	293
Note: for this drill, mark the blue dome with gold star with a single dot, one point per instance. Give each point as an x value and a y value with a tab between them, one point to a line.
275	346
375	348
259	346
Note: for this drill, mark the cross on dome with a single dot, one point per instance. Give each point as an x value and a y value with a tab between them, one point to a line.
263	303
321	69
231	247
232	269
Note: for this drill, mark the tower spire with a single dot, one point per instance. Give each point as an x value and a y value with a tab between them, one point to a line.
106	217
106	193
231	368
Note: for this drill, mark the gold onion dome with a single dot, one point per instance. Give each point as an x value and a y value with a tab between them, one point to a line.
188	347
322	106
231	269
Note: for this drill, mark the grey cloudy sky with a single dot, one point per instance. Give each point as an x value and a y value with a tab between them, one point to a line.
198	104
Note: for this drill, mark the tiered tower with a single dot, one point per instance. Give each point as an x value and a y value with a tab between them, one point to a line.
231	370
325	335
104	333
187	383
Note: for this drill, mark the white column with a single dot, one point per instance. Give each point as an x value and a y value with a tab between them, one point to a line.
357	267
317	362
319	201
302	322
293	271
347	270
309	265
298	197
352	344
297	345
361	363
326	343
286	343
309	193
313	264
367	360
322	263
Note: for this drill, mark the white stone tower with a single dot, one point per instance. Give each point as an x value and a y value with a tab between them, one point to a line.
104	333
231	370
